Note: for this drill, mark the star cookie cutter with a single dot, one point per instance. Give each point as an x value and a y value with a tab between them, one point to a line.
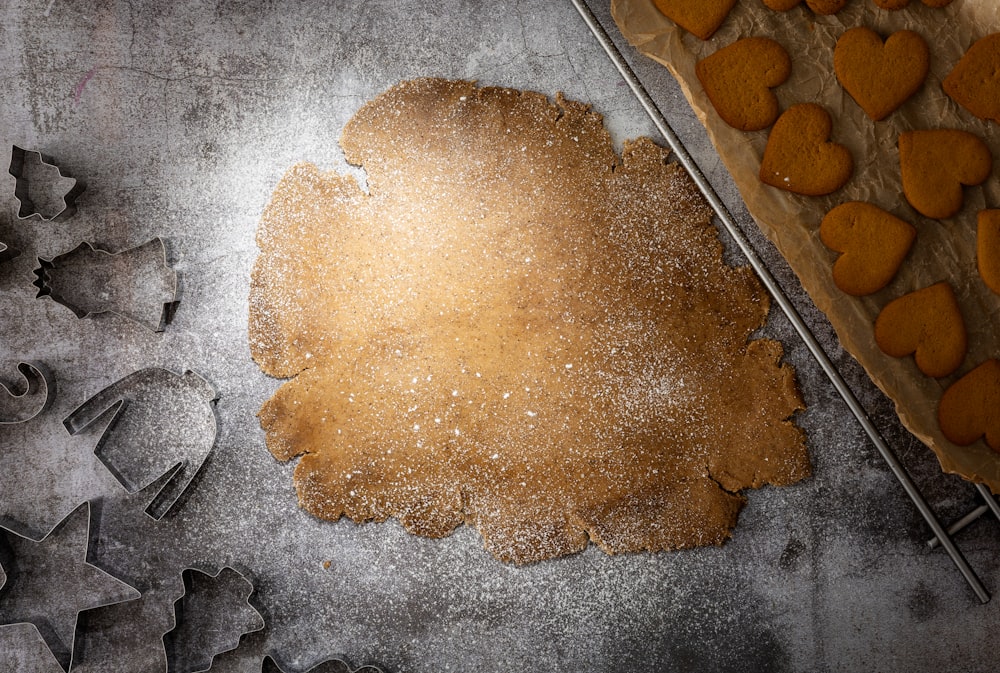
47	584
131	543
136	283
22	407
139	444
40	187
210	618
269	665
22	649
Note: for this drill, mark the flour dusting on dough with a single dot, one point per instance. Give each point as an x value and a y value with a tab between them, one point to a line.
517	329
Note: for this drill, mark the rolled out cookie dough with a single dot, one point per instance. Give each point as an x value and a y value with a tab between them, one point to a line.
514	328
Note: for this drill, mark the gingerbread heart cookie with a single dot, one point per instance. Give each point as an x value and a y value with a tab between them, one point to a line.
974	82
699	17
935	164
873	244
880	76
738	80
970	407
926	324
799	156
817	6
988	248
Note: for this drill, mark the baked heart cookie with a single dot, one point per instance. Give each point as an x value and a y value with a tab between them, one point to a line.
926	324
738	80
970	407
817	6
698	17
799	156
988	248
935	164
974	82
873	244
880	76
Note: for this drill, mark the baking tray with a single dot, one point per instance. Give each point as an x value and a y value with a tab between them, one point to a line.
181	118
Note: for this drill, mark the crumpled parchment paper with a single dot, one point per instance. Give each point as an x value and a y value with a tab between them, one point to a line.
944	250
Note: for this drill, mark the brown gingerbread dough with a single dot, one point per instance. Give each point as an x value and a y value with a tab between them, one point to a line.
517	329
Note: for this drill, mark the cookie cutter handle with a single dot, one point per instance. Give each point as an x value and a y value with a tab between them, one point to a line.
691	166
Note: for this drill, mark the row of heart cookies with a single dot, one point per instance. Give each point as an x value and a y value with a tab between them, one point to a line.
935	164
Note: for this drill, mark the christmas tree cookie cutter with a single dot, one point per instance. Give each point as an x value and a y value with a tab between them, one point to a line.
41	188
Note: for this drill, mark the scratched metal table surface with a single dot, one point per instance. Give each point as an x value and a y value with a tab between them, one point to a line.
180	117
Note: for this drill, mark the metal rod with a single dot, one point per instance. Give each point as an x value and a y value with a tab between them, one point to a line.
991	502
960	524
686	160
990	506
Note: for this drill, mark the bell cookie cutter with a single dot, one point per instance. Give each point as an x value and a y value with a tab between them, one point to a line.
89	281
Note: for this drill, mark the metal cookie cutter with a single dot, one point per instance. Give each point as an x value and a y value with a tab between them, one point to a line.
22	407
23	649
156	421
41	188
328	666
210	618
7	252
127	539
136	283
48	582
